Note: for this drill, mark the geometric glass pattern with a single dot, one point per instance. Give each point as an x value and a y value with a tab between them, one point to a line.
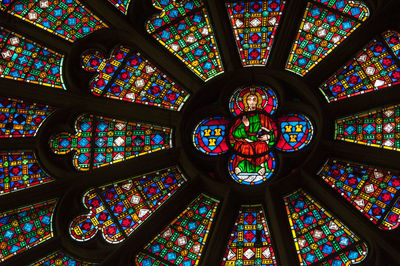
20	118
325	25
67	19
60	258
250	241
24	60
119	208
25	228
374	192
130	77
372	69
254	25
319	237
209	136
185	30
297	132
20	170
103	141
377	128
122	5
182	242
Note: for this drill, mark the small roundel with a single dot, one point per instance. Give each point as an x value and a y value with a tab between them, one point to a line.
252	170
296	132
253	134
254	98
209	136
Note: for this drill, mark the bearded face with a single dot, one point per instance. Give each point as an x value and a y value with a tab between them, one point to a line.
252	102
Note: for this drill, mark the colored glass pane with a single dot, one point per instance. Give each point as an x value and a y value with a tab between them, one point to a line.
254	98
182	242
128	76
377	128
24	60
21	119
372	191
130	202
252	170
393	40
356	9
296	132
20	170
321	31
25	228
373	68
253	134
318	235
109	141
60	258
209	136
122	5
68	19
254	25
250	241
185	30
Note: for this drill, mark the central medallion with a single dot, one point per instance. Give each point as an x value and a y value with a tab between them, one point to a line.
252	134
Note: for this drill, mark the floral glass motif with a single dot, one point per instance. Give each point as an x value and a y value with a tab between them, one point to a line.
372	191
20	170
264	97
322	30
128	76
130	202
253	134
24	60
182	242
297	132
319	236
250	241
122	5
254	25
377	128
68	19
374	68
20	118
25	228
184	29
60	258
109	141
208	136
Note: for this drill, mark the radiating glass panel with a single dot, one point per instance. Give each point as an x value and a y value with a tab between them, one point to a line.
60	258
121	5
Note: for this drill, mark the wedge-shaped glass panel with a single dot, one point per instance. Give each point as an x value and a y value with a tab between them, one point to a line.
60	258
121	5
319	236
182	242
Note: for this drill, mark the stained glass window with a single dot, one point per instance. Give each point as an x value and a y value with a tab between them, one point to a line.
209	136
377	128
319	236
251	170
375	67
102	141
20	170
372	191
20	118
254	25
254	98
60	258
128	76
119	208
25	228
185	30
250	241
24	60
182	242
68	19
322	30
122	5
297	132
